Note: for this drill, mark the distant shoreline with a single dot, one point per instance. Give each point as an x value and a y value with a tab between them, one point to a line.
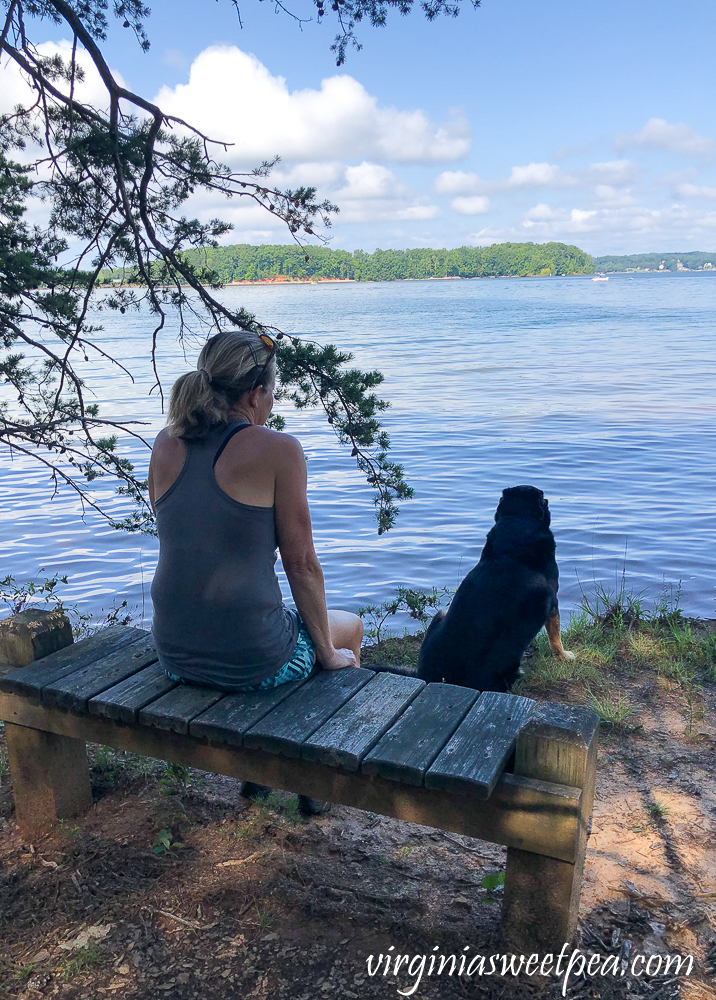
282	281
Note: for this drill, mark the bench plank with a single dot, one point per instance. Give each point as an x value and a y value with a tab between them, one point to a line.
475	756
29	681
73	691
176	709
286	727
228	721
124	700
409	748
526	813
345	739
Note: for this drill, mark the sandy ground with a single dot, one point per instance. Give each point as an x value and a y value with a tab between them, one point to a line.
252	903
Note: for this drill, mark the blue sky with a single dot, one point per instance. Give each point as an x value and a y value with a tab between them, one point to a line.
588	123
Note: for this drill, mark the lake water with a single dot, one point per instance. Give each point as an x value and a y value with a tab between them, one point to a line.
600	394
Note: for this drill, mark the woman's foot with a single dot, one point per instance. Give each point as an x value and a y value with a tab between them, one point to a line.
250	790
313	807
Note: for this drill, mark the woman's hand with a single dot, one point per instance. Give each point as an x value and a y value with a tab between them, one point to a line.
336	659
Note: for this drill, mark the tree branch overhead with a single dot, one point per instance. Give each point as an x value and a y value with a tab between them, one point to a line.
115	180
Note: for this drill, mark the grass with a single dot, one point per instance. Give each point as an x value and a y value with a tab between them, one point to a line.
401	651
263	917
83	959
612	711
618	632
615	632
658	811
112	768
246	831
277	806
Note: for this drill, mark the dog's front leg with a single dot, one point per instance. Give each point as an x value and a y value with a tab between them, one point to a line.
555	639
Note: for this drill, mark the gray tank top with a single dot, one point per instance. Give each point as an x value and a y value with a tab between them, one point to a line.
219	618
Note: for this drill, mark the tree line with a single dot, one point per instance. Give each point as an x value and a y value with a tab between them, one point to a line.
255	263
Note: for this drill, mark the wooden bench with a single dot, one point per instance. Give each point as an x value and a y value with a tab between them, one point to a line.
434	754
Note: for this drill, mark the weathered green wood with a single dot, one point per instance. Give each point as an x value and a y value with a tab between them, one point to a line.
124	700
355	728
31	634
522	812
178	707
73	691
410	746
228	721
476	754
29	681
286	727
50	777
541	898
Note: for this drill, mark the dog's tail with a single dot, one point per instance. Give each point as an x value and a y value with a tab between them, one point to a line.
383	668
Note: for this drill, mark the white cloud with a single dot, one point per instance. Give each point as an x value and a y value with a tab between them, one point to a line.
616	173
613	197
579	216
477	205
321	175
531	175
630	224
15	90
455	182
369	180
677	137
695	191
386	210
541	211
232	96
418	212
535	175
485	237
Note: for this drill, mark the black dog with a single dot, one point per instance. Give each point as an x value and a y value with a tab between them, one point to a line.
501	604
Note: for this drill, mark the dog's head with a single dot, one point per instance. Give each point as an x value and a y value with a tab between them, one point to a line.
523	501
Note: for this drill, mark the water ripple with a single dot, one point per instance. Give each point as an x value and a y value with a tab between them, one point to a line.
601	396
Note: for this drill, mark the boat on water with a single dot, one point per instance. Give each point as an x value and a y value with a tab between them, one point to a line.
600	277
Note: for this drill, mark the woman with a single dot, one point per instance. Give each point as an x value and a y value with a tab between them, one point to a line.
227	491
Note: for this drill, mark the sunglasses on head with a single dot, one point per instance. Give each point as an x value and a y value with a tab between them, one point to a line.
272	345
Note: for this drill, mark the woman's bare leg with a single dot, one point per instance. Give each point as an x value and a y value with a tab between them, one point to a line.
346	631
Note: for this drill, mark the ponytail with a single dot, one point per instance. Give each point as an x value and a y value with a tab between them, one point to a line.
229	365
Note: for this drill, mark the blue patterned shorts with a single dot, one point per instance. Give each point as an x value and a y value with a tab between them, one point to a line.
299	666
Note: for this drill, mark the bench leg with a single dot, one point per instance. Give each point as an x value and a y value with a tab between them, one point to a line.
541	901
50	777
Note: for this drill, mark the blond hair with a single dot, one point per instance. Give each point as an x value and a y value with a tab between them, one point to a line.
229	365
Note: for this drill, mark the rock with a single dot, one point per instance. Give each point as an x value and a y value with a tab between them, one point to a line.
42	956
94	933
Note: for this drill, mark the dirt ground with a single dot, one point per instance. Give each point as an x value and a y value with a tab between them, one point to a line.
176	886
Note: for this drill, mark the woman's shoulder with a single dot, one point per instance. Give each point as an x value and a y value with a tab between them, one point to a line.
265	446
276	440
166	444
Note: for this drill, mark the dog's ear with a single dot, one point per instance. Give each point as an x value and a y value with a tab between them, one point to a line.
546	515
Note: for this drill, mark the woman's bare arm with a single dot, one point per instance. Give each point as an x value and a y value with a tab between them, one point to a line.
300	562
